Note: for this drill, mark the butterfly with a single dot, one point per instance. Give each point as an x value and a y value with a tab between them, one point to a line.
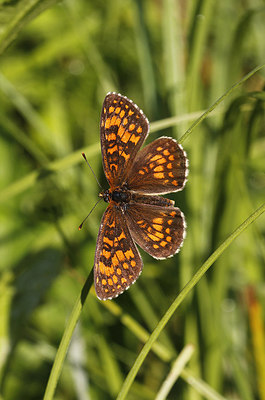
136	214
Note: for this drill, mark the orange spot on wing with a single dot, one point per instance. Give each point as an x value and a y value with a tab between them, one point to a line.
118	122
162	160
107	240
113	119
160	235
126	156
134	139
158	227
113	167
112	150
122	236
156	157
107	123
121	130
153	237
106	253
159	168
115	261
111	136
159	175
129	254
126	137
120	255
158	220
101	267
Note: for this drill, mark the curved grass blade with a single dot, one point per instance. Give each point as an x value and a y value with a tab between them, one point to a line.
182	295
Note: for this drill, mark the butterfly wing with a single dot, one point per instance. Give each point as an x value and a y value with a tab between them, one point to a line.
160	167
117	261
123	129
159	231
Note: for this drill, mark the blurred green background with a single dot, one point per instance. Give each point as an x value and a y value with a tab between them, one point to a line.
173	59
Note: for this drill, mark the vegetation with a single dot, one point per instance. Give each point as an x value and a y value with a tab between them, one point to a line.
175	60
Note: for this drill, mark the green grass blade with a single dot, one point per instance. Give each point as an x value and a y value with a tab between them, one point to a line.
218	101
31	179
14	18
65	342
183	294
175	371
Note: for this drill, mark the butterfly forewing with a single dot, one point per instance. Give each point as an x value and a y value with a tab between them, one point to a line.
123	129
160	167
117	260
159	231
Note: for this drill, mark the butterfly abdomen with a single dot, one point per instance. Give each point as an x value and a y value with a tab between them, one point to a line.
153	200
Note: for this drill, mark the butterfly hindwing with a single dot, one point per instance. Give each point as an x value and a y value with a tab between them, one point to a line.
159	231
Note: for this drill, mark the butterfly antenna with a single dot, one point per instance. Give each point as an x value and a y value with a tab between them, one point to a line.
81	225
83	154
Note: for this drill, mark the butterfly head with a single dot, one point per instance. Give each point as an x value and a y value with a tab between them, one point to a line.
105	195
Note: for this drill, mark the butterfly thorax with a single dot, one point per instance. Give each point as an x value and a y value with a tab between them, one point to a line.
118	195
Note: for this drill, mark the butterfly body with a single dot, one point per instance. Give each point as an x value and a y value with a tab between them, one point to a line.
118	195
136	214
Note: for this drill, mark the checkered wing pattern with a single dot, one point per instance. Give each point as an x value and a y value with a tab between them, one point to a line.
117	261
159	231
123	129
160	167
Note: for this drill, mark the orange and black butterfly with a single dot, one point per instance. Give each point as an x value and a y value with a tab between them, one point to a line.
135	214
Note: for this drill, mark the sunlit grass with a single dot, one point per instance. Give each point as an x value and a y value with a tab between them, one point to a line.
174	60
